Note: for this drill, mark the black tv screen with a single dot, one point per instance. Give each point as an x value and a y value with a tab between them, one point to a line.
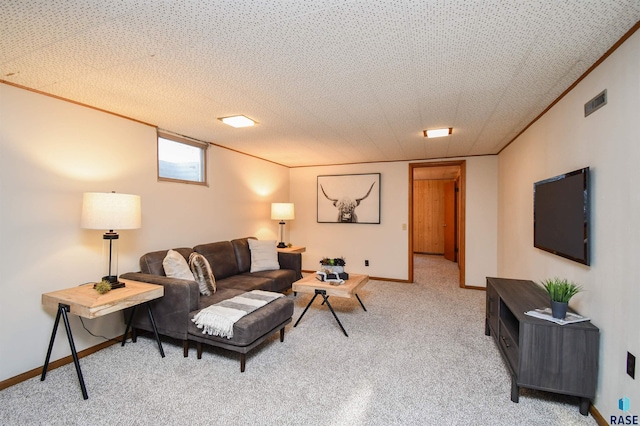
561	215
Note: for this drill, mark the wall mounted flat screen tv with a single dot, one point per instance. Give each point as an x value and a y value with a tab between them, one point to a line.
561	215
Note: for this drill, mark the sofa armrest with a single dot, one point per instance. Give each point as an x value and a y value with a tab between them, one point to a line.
291	261
170	312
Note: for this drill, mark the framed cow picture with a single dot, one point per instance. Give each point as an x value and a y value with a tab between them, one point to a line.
349	198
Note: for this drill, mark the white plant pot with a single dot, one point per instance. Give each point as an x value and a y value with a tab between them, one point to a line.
333	269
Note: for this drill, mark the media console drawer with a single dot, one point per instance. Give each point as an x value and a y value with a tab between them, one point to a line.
509	348
541	354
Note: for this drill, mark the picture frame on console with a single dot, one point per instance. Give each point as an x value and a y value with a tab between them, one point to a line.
353	198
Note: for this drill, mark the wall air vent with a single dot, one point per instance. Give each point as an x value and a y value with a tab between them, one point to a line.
596	103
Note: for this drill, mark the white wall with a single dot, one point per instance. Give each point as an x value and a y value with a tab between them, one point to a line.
386	246
51	152
481	220
564	140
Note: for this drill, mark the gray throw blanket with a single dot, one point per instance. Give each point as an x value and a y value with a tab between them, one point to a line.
218	319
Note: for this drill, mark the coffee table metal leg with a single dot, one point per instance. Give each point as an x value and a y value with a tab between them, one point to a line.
326	299
305	309
361	304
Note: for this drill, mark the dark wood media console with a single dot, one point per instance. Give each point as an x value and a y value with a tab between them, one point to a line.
541	354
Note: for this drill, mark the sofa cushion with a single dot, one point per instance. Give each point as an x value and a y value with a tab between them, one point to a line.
243	254
176	266
264	255
221	257
202	274
247	282
281	279
151	263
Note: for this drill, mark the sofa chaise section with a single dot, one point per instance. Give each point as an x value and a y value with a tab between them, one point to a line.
231	264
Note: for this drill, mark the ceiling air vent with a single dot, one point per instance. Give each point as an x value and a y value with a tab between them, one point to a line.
596	103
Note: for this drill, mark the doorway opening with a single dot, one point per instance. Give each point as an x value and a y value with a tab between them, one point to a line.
437	212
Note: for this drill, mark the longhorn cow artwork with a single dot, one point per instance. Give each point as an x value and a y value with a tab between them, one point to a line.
349	198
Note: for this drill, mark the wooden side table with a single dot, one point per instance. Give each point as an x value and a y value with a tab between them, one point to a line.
86	302
293	249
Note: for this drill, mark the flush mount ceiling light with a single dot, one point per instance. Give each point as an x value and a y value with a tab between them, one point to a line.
237	121
437	133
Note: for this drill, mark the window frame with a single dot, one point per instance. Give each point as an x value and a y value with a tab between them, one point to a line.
186	141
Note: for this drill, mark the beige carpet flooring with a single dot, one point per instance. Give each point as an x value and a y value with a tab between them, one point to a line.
419	356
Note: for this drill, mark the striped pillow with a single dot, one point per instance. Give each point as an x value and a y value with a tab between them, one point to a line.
202	274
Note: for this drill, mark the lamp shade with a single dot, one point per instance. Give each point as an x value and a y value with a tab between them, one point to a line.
109	210
282	211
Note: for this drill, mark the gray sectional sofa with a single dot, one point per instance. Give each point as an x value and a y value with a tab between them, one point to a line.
231	264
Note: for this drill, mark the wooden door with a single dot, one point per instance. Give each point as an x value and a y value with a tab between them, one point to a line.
428	216
450	231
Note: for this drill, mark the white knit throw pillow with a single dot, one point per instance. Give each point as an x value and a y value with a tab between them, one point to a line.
264	256
175	266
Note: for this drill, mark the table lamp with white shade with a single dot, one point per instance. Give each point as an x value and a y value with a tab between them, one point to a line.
282	212
111	211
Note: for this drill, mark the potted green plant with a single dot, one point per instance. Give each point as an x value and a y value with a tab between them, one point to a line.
560	291
335	265
103	287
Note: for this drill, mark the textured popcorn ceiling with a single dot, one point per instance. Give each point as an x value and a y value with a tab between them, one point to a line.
328	81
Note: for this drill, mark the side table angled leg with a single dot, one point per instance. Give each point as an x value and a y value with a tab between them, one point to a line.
129	321
153	325
155	329
64	309
45	367
62	312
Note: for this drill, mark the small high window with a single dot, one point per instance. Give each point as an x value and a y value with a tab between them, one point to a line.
181	160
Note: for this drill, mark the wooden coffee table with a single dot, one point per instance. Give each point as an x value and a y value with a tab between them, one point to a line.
311	285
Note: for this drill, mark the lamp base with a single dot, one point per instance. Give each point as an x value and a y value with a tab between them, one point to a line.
113	285
113	280
281	244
